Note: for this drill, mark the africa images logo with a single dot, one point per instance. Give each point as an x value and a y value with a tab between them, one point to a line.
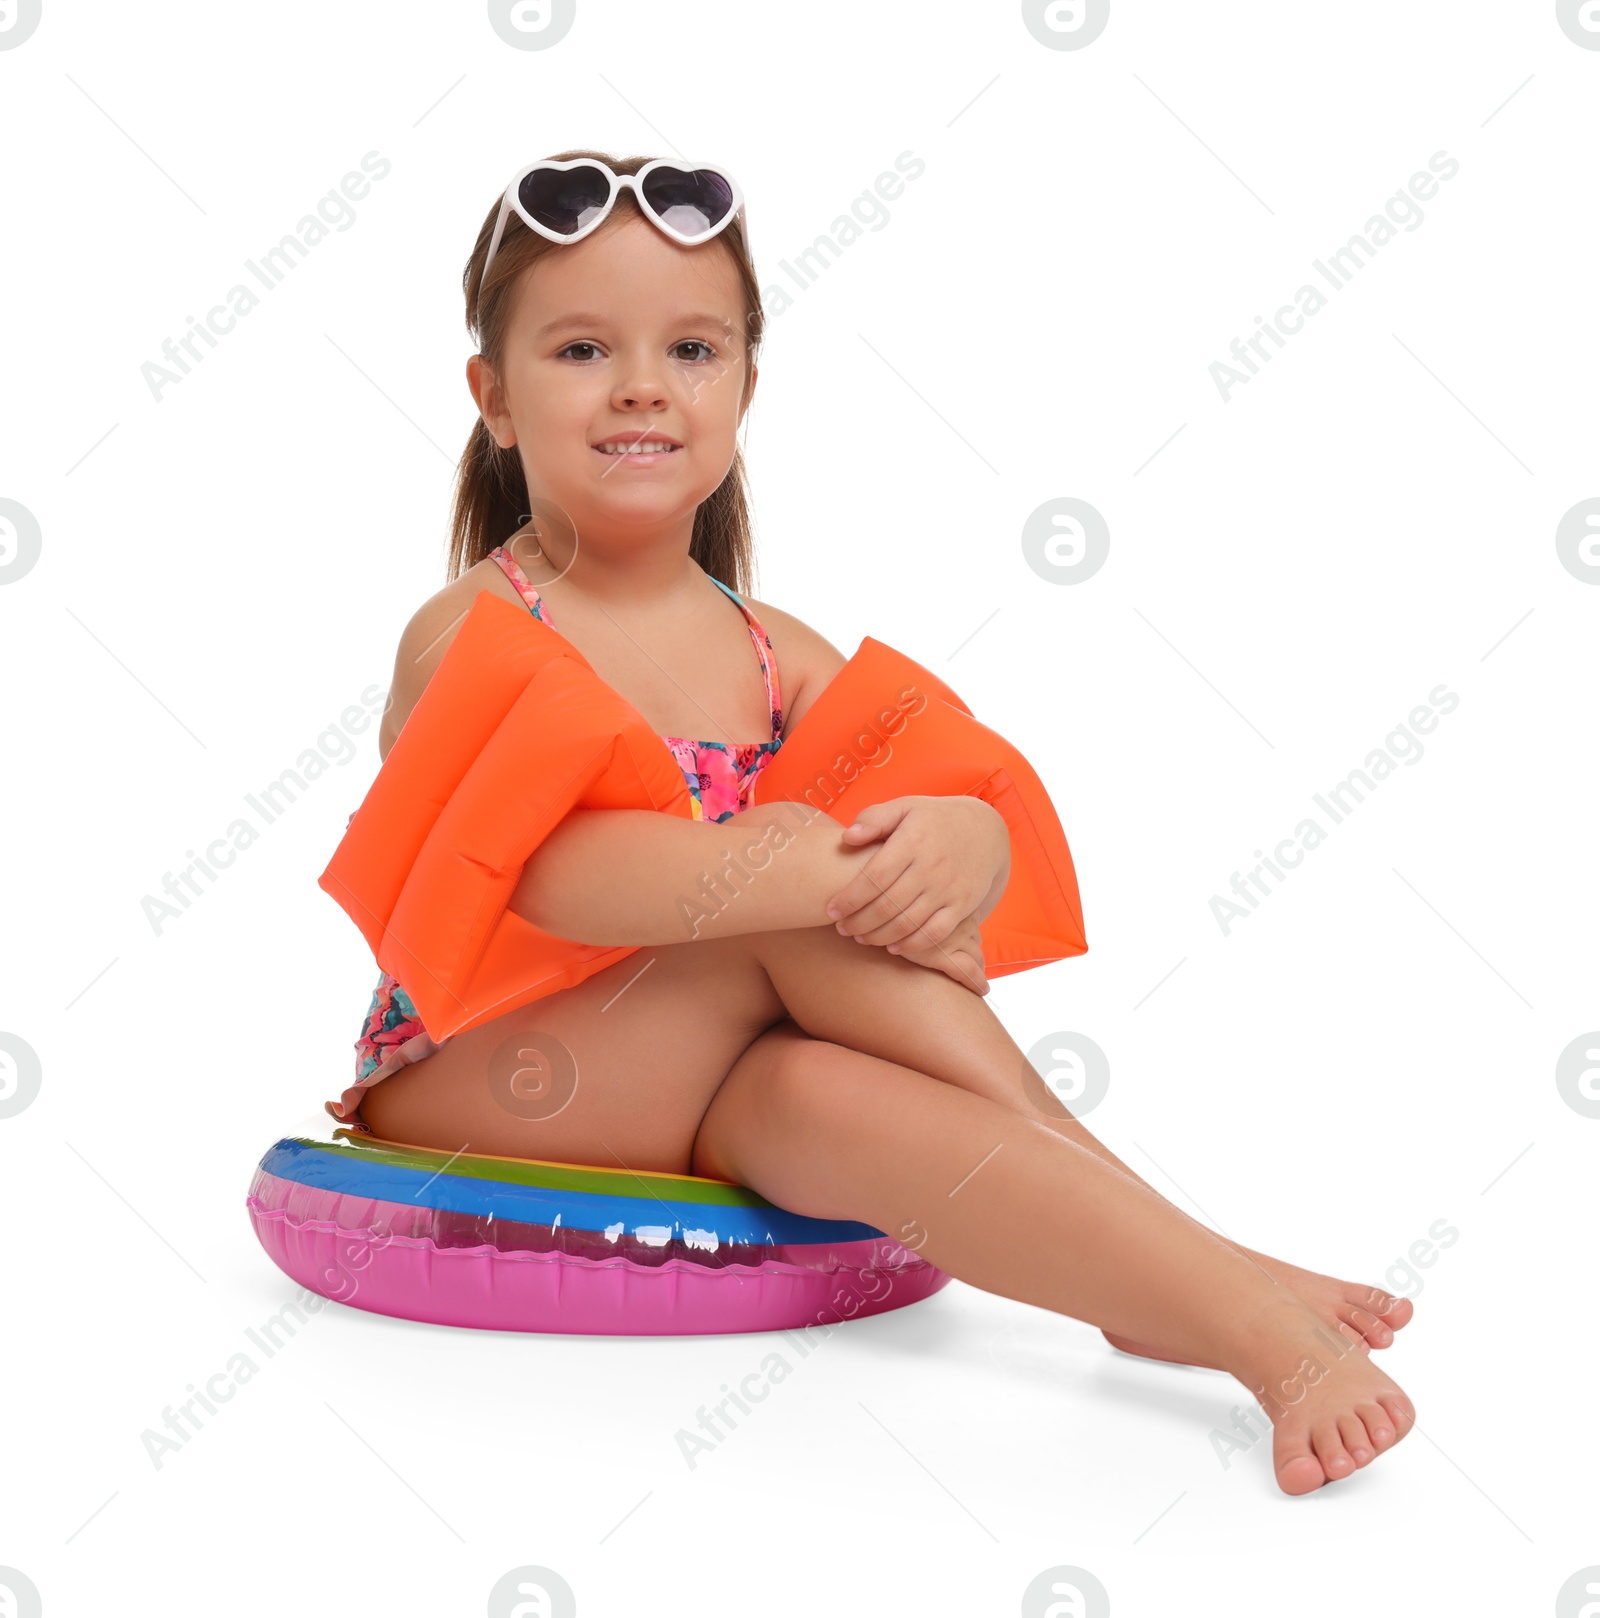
1066	25
1580	22
18	19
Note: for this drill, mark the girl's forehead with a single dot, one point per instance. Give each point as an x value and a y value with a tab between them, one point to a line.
630	275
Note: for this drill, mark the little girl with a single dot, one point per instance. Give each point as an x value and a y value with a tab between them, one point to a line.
825	1040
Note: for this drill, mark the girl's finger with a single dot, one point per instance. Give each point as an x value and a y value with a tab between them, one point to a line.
862	832
880	907
937	929
866	888
958	966
877	820
895	933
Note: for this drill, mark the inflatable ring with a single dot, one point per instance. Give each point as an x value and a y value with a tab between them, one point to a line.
516	1244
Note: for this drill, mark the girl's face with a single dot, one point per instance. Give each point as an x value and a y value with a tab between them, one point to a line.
625	337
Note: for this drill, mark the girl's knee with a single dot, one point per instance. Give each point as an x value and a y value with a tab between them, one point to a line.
785	1085
809	1079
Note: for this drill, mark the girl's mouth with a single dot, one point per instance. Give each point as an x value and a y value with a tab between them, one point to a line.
621	455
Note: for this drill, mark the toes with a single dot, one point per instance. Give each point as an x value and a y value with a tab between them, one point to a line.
1379	1425
1381	1309
1353	1432
1375	1332
1363	1310
1299	1471
1330	1450
1398	1312
1336	1447
1400	1413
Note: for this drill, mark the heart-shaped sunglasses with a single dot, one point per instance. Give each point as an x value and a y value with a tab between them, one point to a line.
565	201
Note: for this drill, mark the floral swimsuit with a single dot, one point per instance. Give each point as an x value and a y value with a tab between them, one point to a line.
721	777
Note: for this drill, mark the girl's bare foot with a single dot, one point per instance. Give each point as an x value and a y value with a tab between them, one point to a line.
1366	1316
1332	1410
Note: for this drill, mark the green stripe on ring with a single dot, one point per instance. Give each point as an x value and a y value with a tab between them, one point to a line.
535	1172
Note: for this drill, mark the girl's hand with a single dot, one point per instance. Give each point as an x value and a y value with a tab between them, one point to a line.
945	859
960	957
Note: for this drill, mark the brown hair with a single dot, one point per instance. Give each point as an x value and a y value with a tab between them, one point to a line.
491	497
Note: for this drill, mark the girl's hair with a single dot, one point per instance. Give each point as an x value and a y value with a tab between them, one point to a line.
491	498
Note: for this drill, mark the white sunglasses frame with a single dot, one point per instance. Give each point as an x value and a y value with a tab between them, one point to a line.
619	183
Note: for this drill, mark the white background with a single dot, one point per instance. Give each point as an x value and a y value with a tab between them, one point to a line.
1372	1051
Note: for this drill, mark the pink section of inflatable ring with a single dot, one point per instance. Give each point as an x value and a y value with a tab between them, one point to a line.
342	1247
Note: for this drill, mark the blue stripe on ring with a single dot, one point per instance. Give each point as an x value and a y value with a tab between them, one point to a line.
539	1205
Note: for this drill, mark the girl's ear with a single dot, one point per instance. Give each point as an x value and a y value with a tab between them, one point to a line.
487	394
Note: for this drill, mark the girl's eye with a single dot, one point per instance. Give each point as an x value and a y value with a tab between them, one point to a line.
688	342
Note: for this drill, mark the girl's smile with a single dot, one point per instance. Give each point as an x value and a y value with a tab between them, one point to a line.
637	449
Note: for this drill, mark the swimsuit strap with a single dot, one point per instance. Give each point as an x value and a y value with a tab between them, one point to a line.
525	589
763	644
764	654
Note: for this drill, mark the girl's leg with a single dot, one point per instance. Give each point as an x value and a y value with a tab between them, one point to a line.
862	997
1003	1202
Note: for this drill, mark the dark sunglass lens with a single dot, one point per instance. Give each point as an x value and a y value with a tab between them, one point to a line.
692	201
564	199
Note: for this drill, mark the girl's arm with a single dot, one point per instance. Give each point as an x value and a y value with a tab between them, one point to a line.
638	877
635	877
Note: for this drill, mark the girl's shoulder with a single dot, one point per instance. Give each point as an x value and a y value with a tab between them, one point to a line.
807	661
427	637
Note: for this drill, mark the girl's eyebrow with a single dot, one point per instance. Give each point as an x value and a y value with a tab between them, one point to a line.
693	318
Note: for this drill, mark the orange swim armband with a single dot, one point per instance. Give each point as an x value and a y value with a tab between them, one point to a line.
515	730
